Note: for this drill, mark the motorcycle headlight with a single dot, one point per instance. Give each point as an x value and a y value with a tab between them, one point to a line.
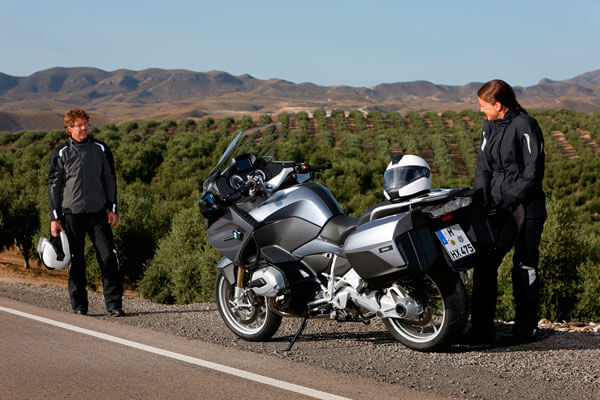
450	206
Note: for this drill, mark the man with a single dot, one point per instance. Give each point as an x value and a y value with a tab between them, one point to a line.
82	190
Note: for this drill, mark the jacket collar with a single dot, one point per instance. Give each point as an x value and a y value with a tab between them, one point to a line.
508	117
76	143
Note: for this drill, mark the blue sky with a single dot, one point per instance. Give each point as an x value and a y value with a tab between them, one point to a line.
324	42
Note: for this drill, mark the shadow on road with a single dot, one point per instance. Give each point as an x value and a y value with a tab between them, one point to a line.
548	340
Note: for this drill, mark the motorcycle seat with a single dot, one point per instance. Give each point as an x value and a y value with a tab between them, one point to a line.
337	229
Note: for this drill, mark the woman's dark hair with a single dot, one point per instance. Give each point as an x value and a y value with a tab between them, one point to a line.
499	91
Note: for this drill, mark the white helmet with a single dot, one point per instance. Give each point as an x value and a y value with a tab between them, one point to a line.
54	253
406	176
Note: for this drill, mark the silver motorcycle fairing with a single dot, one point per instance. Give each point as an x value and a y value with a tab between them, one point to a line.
309	201
291	219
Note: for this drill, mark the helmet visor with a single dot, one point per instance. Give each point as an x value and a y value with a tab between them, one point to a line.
396	178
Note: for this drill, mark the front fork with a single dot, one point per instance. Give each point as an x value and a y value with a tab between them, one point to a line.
239	283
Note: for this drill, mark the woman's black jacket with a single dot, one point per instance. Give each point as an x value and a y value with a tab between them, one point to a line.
510	164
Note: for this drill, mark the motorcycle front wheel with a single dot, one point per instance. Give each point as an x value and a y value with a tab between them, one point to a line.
444	302
250	317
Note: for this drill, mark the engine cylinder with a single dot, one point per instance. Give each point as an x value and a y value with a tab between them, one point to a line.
274	281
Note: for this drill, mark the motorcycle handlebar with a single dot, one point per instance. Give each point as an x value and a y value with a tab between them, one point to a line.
253	186
304	168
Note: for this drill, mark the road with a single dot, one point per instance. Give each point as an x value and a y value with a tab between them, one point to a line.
52	354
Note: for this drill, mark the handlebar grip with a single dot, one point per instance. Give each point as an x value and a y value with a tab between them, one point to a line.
304	168
322	166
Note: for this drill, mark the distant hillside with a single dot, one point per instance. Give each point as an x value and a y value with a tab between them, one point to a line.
175	94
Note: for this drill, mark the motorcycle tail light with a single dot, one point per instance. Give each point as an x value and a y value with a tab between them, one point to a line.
446	217
450	206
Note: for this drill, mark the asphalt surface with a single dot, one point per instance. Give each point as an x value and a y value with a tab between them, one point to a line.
55	355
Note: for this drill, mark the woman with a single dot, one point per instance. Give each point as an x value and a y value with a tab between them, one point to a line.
509	169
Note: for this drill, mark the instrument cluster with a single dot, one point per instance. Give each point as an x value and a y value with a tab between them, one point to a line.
244	168
237	181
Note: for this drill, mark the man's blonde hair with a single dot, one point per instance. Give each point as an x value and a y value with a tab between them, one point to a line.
72	115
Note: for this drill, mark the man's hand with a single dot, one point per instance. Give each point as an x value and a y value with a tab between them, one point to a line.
113	219
55	228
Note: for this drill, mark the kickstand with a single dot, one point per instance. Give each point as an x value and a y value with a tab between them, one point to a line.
302	326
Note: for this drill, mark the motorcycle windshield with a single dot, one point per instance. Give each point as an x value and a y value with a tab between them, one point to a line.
262	140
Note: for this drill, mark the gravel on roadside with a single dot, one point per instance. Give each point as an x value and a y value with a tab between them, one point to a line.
565	364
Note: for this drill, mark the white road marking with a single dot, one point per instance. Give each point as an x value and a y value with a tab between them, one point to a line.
182	357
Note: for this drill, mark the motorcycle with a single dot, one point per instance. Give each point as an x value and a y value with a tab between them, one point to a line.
290	251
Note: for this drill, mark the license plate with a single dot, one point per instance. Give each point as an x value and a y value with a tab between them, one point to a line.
455	242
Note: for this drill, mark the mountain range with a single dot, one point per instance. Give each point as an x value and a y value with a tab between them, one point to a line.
39	101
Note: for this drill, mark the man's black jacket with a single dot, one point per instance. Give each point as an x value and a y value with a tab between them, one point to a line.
510	163
81	178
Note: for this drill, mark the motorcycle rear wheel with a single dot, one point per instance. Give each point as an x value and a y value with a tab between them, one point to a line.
255	322
444	299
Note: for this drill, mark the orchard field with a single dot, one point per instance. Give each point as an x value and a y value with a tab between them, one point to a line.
161	165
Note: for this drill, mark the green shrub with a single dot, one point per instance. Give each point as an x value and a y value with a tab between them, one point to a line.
588	305
19	221
183	269
560	256
142	222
